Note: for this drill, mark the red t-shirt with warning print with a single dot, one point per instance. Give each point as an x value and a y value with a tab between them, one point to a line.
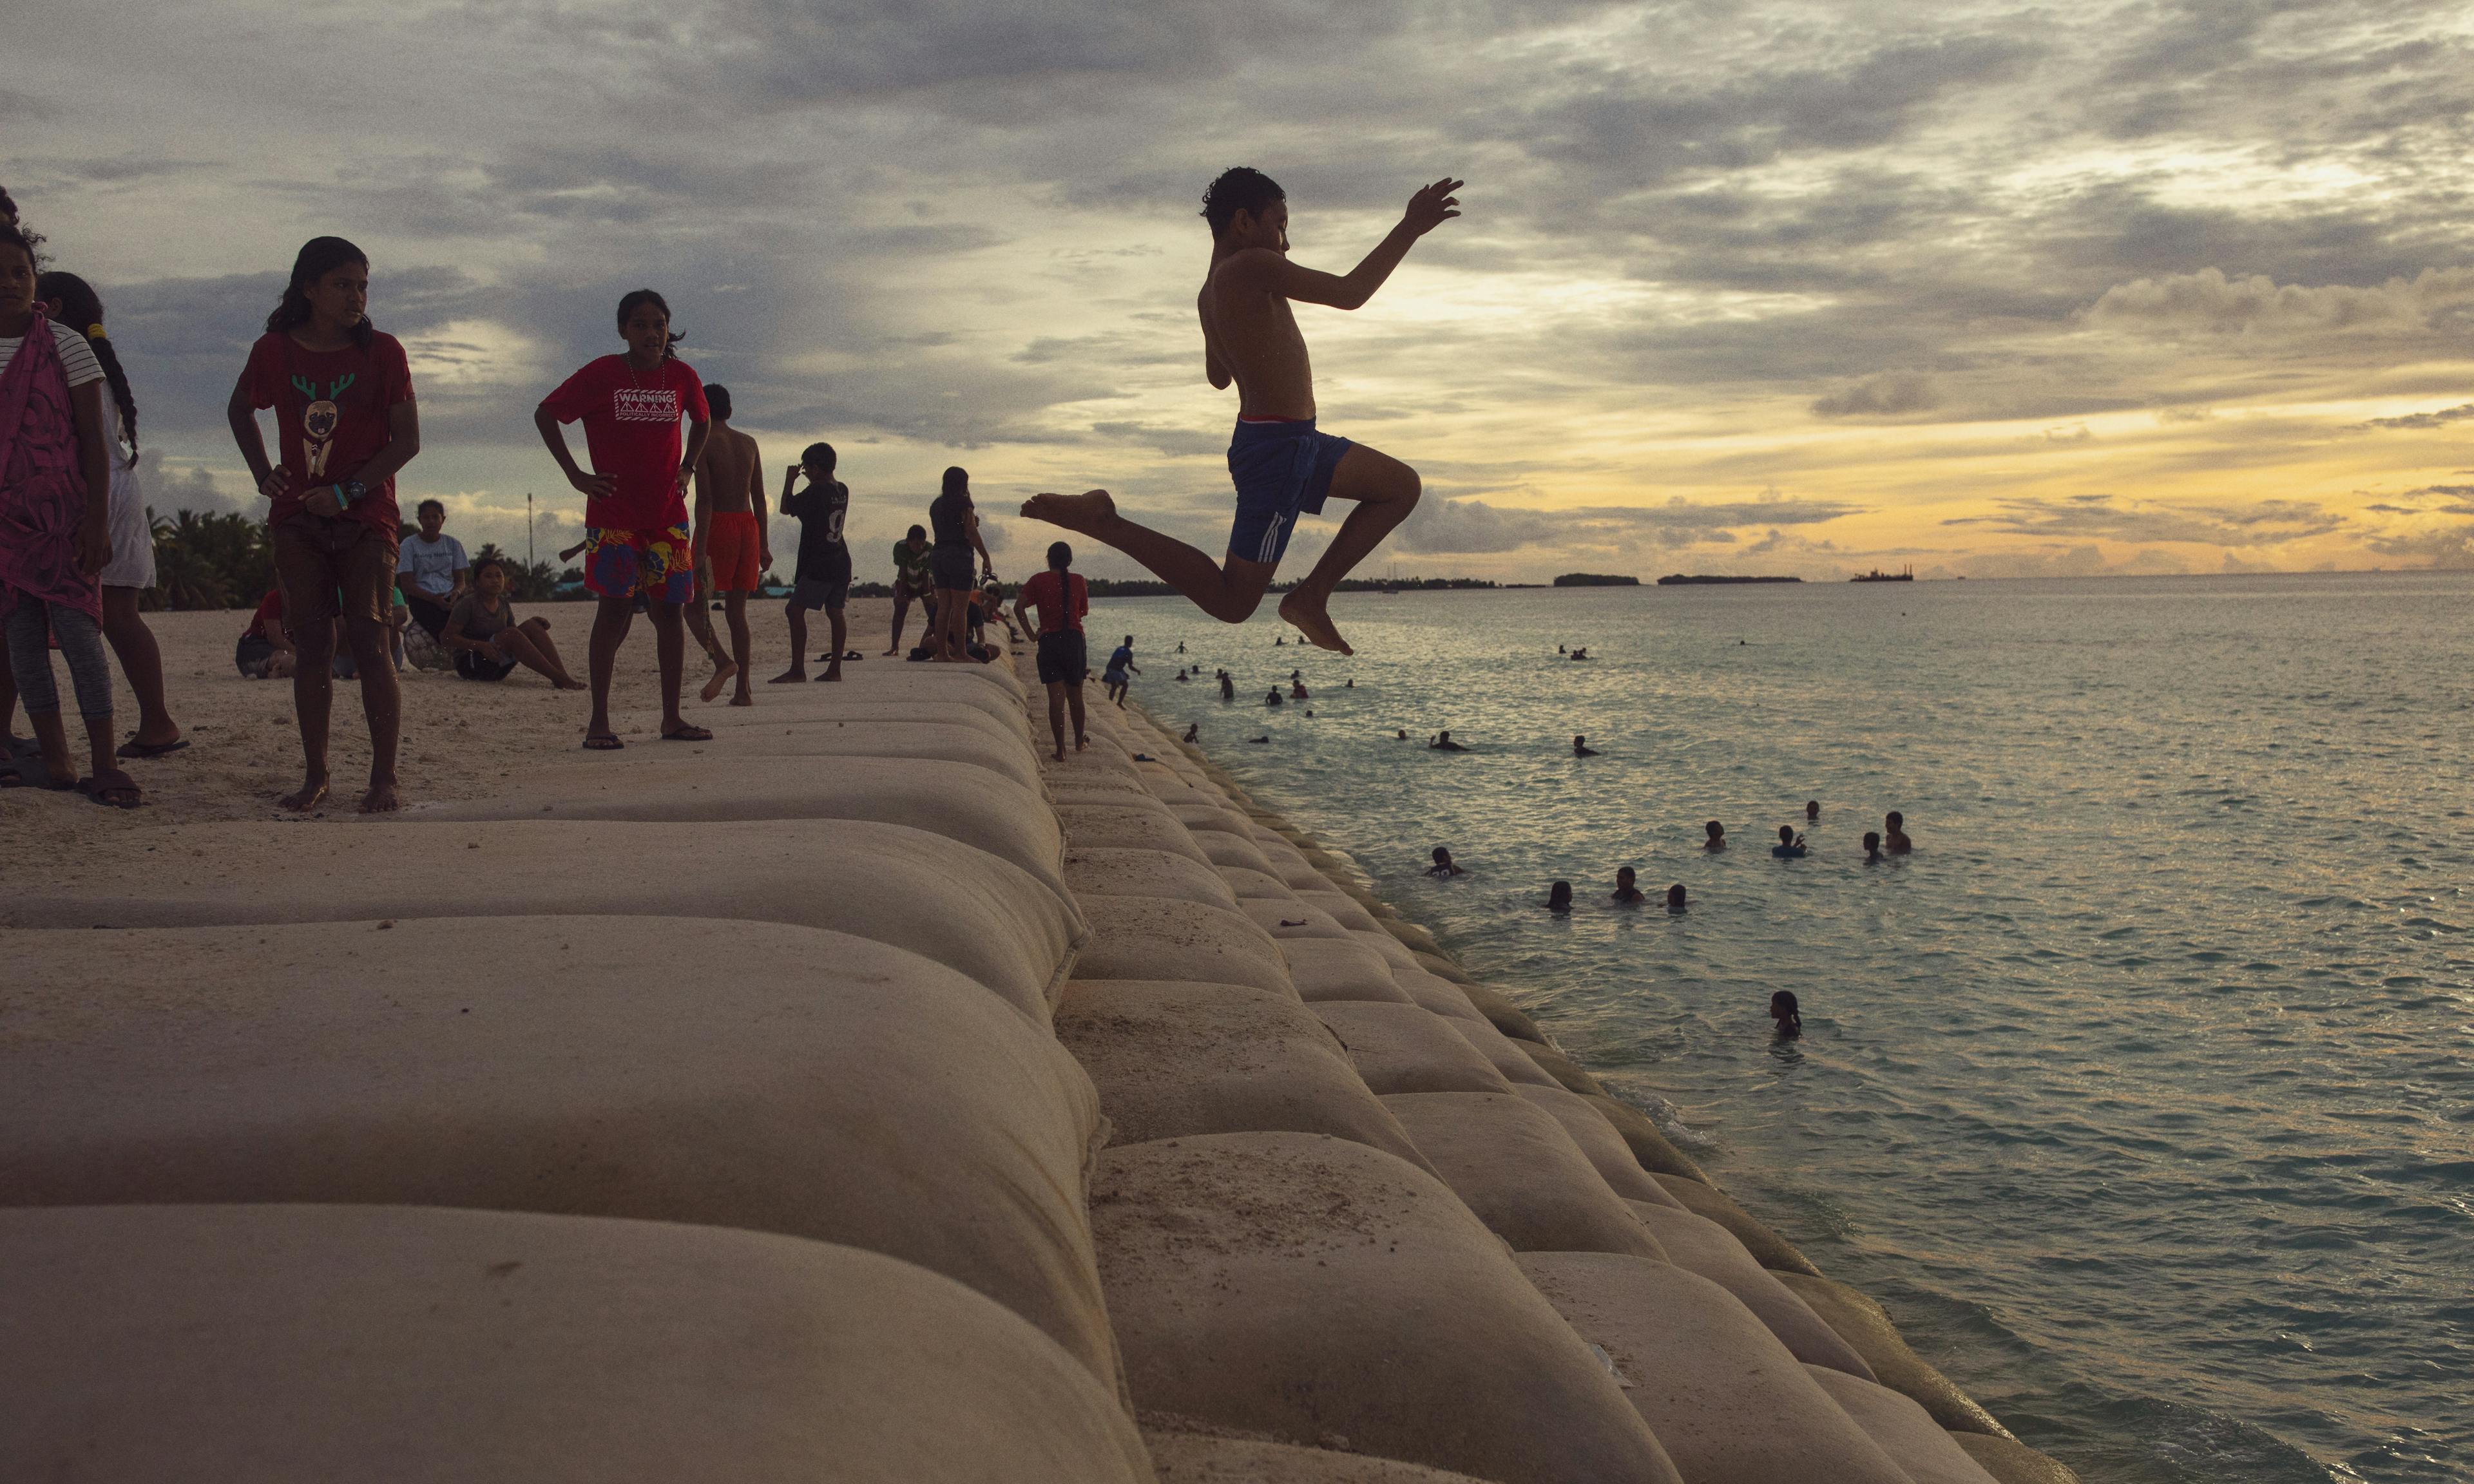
331	411
631	430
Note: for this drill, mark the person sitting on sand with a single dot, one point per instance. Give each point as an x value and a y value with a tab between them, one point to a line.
1717	836
1444	743
1121	666
1873	855
956	522
1581	747
1790	846
1559	898
637	545
1626	892
1281	465
489	640
1052	605
431	570
1675	897
911	581
824	558
1444	865
1786	1013
1893	826
264	652
734	545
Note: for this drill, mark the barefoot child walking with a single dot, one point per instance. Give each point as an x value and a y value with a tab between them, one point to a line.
733	550
824	561
637	541
1280	463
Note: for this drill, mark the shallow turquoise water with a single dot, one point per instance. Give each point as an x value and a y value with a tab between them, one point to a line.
2139	1093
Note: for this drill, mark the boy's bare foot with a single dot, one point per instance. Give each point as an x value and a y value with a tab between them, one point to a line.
1058	754
570	685
1079	743
1305	611
790	678
743	699
380	799
723	672
834	673
312	794
1085	512
890	653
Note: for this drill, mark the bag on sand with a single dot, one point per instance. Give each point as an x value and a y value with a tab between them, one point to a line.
1520	1172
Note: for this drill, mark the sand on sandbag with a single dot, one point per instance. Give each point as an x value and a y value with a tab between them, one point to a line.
1126	828
1227	850
1323	1293
851	1091
1293	918
935	741
1769	1249
1866	1325
1598	1139
1729	1403
1702	1246
1906	1431
1163	938
841	712
1330	968
1176	1059
1438	995
932	895
293	1343
1514	1166
1507	1017
1110	871
1402	1048
1205	1458
1250	885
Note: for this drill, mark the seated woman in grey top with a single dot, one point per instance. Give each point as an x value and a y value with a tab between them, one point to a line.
489	641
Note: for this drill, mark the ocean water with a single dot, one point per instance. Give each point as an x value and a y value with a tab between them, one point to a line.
2141	1092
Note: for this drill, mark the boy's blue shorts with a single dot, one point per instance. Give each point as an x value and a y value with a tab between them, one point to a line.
1279	468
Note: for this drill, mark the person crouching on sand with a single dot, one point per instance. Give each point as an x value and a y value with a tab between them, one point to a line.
1282	466
912	583
489	641
637	541
1052	605
824	558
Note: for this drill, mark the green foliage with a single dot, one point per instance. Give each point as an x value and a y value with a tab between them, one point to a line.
210	559
534	584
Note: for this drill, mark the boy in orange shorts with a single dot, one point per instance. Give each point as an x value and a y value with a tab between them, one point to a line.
731	544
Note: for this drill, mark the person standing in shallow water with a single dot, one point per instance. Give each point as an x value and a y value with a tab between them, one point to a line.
1280	463
1558	897
1789	1014
1625	891
1717	836
345	422
1893	826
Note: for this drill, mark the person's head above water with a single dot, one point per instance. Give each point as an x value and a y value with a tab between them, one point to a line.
1786	834
1558	897
1441	856
1871	843
1675	897
1059	556
1624	876
1812	808
1246	209
1896	822
1716	832
1785	1012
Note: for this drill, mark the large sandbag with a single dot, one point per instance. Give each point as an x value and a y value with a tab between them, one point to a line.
1562	1068
1491	1045
935	741
1729	1403
1200	1458
2013	1462
1419	939
1163	938
1293	918
850	1092
1201	815
1520	1172
1700	1245
1650	1145
1342	908
1448	968
933	895
730	723
1177	1059
985	810
1311	1288
1227	849
1903	1430
814	699
1394	953
1248	884
1402	1048
1107	871
304	1344
1866	1325
1126	828
1331	968
1599	1140
1769	1249
1508	1018
1440	996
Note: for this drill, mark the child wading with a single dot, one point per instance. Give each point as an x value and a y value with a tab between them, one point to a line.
635	537
54	527
824	560
345	423
1281	465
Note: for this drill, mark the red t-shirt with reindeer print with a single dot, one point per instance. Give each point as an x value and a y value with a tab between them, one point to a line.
331	416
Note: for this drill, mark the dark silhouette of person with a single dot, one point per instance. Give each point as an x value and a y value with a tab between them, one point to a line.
1625	891
1558	897
1894	827
1811	810
1581	748
1790	846
1717	834
1786	1013
1194	731
1351	683
1442	865
1271	697
1297	691
1228	688
1444	743
1873	848
1675	897
1402	735
1583	653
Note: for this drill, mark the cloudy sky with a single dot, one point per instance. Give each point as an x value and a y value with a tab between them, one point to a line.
1994	288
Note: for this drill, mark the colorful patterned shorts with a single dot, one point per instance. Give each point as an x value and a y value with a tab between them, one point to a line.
659	565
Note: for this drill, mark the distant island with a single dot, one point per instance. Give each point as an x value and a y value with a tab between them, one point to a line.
1706	579
1595	580
1148	587
1906	574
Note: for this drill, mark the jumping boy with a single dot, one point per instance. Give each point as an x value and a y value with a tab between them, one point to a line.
1113	680
636	533
733	549
824	560
1281	465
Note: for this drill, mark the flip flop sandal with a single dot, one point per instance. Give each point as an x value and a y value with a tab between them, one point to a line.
133	748
688	734
603	742
113	781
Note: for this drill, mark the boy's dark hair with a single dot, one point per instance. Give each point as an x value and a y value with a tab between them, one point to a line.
82	309
817	455
318	258
1239	188
957	481
1059	556
716	396
917	533
635	299
424	506
484	564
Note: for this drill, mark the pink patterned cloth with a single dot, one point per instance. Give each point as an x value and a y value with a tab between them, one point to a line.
42	490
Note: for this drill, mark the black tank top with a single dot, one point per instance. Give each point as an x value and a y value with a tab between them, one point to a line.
949	519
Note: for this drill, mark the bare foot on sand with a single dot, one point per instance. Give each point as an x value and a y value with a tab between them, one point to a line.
1304	610
380	799
312	794
572	685
743	699
1079	743
790	678
721	676
1085	512
832	673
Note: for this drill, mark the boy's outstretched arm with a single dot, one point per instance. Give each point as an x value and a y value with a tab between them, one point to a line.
1431	207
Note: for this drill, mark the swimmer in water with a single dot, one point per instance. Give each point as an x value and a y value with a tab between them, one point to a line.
1790	846
1180	646
1278	641
1444	744
1297	691
1558	897
1581	748
1402	735
1559	649
1258	739
1442	865
1583	653
1873	855
1717	834
1228	688
1181	677
1811	810
1295	676
1350	684
1785	1011
1625	892
1194	731
1675	897
1895	826
1271	697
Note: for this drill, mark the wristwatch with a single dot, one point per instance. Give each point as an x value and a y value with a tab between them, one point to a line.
348	491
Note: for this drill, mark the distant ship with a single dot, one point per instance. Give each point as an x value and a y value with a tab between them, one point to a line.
1906	574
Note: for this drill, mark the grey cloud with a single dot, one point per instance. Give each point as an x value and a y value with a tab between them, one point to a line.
1475	526
1884	393
2423	420
2451	546
2266	522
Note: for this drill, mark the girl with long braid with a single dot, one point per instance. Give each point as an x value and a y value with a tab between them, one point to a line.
71	300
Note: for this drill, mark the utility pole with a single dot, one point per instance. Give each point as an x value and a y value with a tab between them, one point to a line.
529	530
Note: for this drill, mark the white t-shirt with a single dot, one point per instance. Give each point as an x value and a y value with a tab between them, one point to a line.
431	565
77	357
